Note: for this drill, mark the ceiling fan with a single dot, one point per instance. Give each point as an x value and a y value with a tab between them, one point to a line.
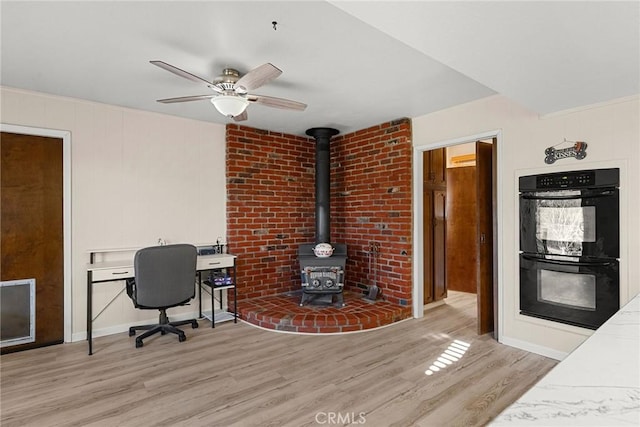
231	96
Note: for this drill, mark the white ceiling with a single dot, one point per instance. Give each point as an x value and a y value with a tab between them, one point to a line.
356	64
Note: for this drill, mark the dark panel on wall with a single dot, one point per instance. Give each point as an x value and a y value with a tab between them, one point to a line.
32	244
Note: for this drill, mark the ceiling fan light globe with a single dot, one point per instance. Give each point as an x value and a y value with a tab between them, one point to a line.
229	105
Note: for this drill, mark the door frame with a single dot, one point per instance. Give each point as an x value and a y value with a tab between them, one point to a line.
66	206
418	278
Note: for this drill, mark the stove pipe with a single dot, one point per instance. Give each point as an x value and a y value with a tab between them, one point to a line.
323	182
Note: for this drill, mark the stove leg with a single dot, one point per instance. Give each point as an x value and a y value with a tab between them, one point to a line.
304	298
340	300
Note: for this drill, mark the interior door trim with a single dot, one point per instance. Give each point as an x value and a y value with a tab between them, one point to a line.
418	282
66	206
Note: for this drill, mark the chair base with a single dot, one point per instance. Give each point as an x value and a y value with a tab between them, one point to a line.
163	327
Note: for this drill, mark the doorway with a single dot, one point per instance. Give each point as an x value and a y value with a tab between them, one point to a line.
469	225
36	186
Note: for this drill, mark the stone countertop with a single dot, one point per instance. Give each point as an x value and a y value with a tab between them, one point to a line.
598	384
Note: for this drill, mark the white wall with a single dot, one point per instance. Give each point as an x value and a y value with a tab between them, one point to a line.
612	132
135	177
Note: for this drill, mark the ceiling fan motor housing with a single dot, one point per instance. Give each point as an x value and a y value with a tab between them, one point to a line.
228	79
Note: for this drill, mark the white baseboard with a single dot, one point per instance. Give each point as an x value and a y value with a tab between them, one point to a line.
533	348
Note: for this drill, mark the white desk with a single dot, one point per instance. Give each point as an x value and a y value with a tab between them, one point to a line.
110	271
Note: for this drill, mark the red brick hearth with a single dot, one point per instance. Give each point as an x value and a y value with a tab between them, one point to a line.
282	312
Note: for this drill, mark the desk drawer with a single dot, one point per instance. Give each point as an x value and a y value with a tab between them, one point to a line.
213	262
112	274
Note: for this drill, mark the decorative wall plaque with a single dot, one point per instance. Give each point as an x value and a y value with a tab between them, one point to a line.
578	150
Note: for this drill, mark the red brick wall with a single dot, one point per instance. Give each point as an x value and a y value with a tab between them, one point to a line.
371	202
270	206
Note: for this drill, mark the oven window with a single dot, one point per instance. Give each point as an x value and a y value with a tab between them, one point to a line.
561	229
564	289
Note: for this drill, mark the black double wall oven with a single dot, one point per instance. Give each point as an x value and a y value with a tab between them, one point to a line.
570	246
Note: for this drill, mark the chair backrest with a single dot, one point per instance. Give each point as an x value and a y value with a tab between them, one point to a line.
165	275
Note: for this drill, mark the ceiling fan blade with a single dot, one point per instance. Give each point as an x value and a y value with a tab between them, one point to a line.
186	98
177	71
257	77
271	101
241	117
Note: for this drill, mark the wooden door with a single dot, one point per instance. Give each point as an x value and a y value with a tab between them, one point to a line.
485	197
434	224
435	168
31	244
439	245
462	229
439	167
427	243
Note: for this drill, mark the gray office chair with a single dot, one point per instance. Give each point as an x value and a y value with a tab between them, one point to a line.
164	278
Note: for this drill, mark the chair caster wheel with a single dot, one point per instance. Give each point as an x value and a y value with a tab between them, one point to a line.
194	325
182	338
139	343
132	332
163	332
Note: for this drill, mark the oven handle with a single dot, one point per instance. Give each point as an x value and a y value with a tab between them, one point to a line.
558	262
606	193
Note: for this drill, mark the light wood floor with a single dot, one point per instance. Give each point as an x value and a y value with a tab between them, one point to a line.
239	375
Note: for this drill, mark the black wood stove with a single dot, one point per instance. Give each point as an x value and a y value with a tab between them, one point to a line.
322	277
